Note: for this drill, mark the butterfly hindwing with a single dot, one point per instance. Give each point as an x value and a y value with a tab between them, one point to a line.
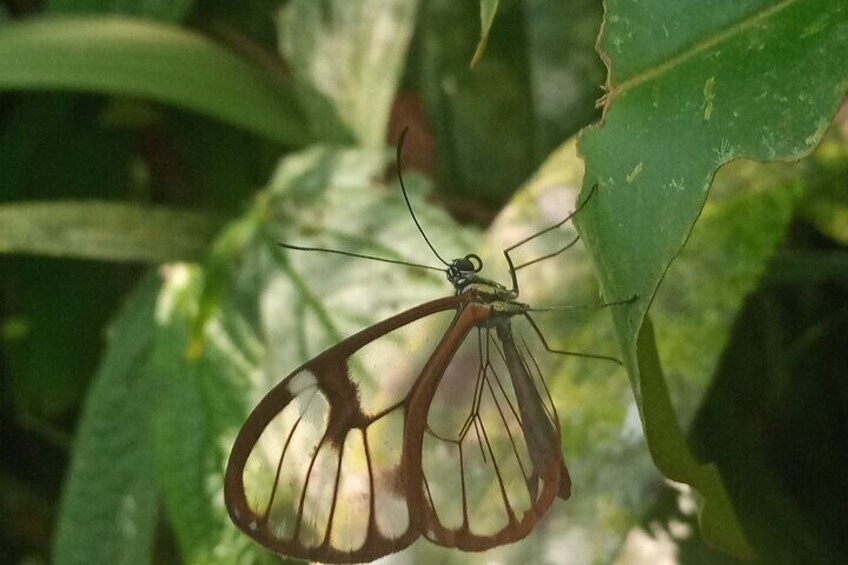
491	460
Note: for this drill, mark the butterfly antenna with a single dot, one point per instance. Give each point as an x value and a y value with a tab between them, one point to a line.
406	197
359	256
513	269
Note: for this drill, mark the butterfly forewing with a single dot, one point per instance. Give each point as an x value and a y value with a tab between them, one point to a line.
491	463
317	470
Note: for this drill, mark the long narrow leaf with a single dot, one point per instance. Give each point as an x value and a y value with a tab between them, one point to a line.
148	60
103	230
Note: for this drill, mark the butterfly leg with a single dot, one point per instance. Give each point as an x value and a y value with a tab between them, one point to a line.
630	300
513	268
564	352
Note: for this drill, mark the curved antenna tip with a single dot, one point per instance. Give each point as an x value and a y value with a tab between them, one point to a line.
406	196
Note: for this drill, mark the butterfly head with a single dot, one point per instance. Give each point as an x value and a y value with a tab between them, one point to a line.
463	271
463	275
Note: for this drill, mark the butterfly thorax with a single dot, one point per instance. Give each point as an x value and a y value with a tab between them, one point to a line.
463	274
501	301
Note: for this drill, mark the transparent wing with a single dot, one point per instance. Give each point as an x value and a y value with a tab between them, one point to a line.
492	462
316	471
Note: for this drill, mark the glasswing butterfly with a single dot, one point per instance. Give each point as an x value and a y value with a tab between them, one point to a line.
358	453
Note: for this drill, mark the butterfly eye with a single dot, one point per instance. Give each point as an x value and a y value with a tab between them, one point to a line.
473	258
469	263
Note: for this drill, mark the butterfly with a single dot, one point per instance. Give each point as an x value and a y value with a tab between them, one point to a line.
435	422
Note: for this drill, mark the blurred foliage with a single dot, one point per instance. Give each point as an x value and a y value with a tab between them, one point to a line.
786	355
162	147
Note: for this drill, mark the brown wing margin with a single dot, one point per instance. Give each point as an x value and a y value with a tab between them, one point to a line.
311	487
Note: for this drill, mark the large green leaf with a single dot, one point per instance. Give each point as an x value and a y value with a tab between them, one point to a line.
109	505
121	56
691	87
347	58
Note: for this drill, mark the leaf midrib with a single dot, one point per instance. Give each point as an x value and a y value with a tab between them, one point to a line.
691	52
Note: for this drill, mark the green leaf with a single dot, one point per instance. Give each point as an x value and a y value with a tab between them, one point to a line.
671	454
163	10
347	58
721	82
488	9
103	230
108	512
165	64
